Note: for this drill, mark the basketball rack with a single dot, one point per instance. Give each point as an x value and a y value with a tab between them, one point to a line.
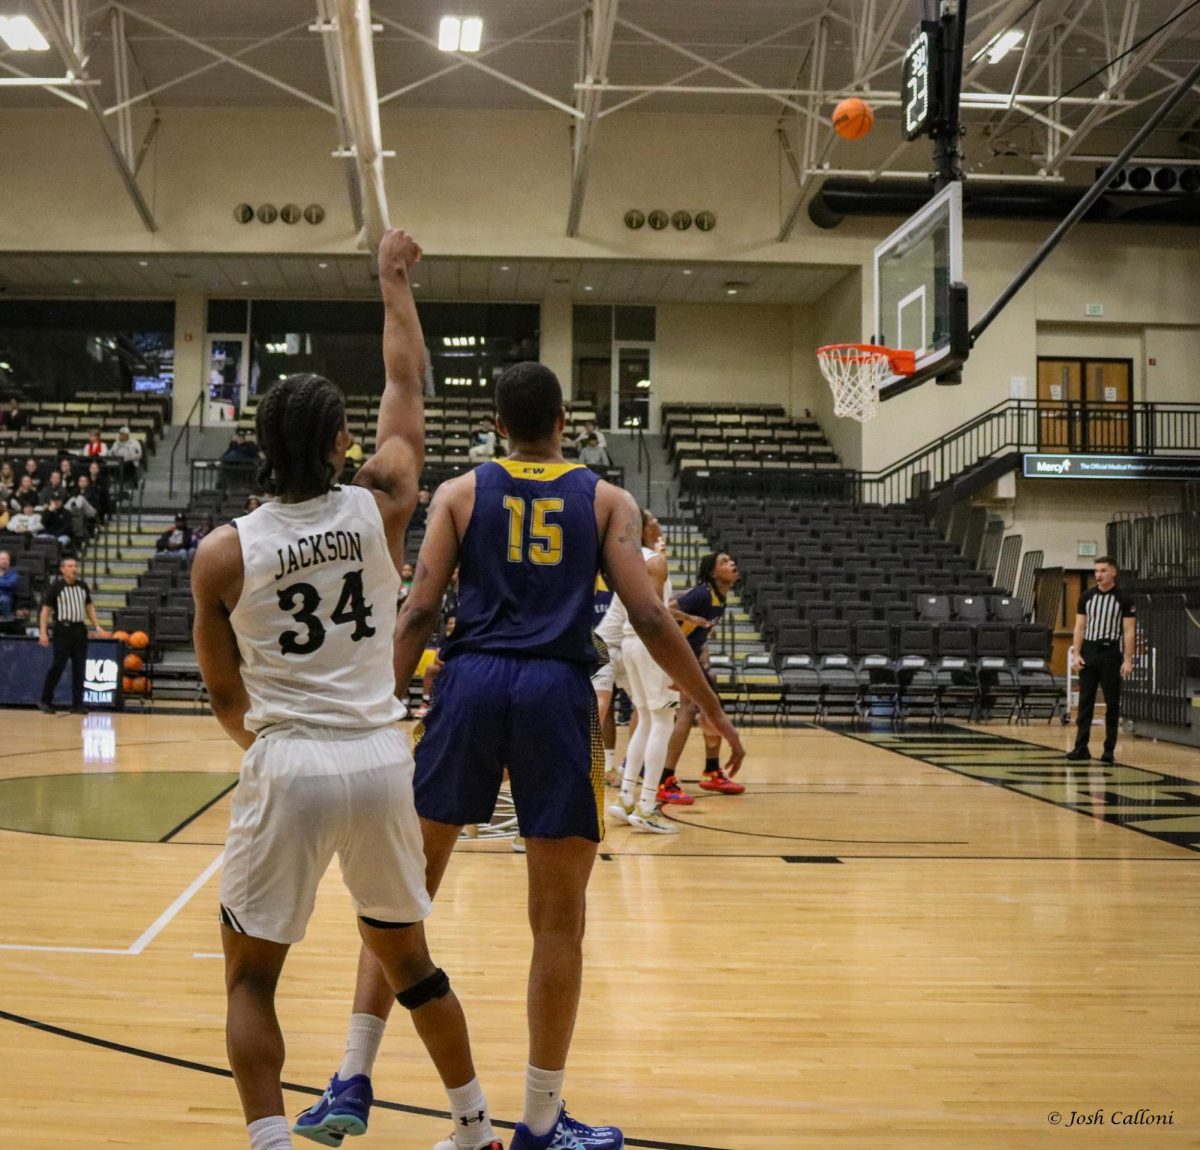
855	372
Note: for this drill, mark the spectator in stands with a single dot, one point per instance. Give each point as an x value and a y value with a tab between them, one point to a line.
95	445
56	523
406	580
129	451
241	449
15	419
421	511
5	514
98	492
177	540
26	492
84	515
209	524
34	471
8	481
483	441
70	477
53	489
591	454
10	582
27	521
253	503
590	429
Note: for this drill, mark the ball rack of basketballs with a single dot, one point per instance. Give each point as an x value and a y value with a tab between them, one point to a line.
137	667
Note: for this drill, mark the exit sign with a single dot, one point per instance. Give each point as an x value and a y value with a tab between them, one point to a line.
1093	309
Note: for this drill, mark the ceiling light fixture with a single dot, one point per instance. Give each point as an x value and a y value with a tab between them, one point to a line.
322	266
457	34
21	34
1002	45
731	291
245	283
587	287
472	34
504	267
687	271
77	281
143	263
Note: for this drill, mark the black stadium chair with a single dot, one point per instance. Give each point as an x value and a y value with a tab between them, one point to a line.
130	619
956	641
970	608
933	608
1006	610
994	641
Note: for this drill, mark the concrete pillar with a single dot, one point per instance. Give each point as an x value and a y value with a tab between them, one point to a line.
556	343
190	375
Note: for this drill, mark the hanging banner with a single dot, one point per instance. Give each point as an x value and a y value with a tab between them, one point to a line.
1180	467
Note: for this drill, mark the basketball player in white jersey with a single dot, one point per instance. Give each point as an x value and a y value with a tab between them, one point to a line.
295	614
607	678
655	701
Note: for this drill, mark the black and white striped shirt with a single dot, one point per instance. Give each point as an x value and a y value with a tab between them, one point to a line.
68	601
1105	611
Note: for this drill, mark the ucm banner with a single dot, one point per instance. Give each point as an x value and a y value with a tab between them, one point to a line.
23	667
1182	467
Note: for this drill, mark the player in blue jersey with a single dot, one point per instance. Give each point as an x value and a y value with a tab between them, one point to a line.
701	608
530	533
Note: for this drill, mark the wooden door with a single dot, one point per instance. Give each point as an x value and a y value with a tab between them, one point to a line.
1108	402
1059	390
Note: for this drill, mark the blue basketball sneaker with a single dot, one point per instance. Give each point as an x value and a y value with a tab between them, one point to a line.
343	1109
568	1134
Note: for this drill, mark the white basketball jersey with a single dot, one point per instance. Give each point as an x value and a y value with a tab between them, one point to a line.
317	613
648	553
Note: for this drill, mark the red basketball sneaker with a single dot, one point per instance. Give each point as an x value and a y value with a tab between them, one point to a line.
718	781
670	791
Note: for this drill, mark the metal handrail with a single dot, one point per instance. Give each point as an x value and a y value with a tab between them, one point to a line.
1147	428
643	449
185	434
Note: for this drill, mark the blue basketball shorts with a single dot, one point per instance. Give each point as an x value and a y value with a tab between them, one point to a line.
537	717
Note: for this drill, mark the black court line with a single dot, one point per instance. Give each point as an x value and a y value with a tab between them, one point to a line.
298	1088
1035	770
196	814
814	838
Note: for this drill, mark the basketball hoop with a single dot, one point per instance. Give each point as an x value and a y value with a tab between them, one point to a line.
855	372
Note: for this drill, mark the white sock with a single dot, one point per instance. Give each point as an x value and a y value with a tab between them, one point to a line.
472	1122
661	723
635	756
543	1098
362	1045
274	1133
609	756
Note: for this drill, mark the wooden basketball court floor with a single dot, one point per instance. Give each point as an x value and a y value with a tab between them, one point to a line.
917	940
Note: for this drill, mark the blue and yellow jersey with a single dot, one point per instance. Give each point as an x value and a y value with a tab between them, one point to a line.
600	601
703	601
528	563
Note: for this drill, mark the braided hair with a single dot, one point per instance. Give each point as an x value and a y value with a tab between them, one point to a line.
297	423
708	564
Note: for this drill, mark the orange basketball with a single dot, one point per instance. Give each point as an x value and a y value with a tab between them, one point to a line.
139	639
138	685
121	636
134	663
127	684
852	118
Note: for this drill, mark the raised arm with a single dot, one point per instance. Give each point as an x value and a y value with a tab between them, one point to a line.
393	472
435	566
620	525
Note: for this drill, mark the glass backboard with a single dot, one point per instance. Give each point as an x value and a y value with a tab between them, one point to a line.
916	306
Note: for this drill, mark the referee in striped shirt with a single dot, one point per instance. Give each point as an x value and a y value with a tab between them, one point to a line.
1102	650
70	601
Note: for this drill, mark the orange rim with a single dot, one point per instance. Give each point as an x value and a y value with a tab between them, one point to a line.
901	361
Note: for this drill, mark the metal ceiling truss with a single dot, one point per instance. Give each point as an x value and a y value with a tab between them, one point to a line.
63	30
597	24
1119	78
326	28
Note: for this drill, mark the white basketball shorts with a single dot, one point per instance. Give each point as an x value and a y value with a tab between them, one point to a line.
304	795
649	685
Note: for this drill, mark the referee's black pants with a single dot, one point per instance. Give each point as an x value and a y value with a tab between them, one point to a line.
70	642
1101	668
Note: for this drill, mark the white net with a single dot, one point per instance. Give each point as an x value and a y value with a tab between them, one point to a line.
854	372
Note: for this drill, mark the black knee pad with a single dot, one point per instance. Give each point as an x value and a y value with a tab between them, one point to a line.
436	985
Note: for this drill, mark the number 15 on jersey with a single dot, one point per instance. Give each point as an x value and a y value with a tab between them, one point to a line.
544	544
